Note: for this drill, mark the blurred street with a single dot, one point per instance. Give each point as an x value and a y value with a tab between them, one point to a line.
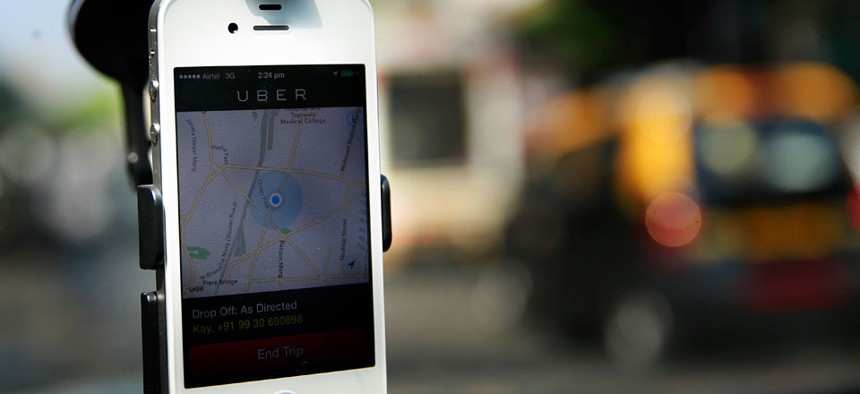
452	346
450	329
677	179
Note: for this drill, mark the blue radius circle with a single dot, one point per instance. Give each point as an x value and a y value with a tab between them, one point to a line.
278	198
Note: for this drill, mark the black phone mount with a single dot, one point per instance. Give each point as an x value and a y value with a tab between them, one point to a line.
113	38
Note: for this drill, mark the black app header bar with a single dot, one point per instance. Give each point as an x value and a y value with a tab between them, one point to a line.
268	87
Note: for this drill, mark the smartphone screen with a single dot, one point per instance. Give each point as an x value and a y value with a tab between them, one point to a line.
274	229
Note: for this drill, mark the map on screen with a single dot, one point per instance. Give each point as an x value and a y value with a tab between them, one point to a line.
272	199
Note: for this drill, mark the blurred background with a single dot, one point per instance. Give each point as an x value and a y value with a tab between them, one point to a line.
589	196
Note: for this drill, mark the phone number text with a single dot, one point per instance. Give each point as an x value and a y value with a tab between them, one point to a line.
247	324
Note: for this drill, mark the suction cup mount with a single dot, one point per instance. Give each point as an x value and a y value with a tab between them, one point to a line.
112	37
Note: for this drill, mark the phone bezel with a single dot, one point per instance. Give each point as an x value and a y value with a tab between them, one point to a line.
194	33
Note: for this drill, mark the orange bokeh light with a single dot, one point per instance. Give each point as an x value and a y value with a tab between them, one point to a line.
812	90
726	94
673	219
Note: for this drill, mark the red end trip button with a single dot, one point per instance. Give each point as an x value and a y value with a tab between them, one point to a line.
277	353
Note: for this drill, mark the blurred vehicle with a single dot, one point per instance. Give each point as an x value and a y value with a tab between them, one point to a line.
450	92
695	205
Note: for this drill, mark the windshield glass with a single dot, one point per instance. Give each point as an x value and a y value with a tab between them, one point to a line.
767	161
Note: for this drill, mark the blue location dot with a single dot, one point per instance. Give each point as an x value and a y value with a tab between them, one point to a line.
275	200
278	200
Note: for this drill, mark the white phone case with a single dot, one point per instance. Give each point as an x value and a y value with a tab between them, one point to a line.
212	33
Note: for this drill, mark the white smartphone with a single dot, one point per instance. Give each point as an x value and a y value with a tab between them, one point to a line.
266	153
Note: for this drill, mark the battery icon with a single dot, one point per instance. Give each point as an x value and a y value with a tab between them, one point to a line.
347	73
